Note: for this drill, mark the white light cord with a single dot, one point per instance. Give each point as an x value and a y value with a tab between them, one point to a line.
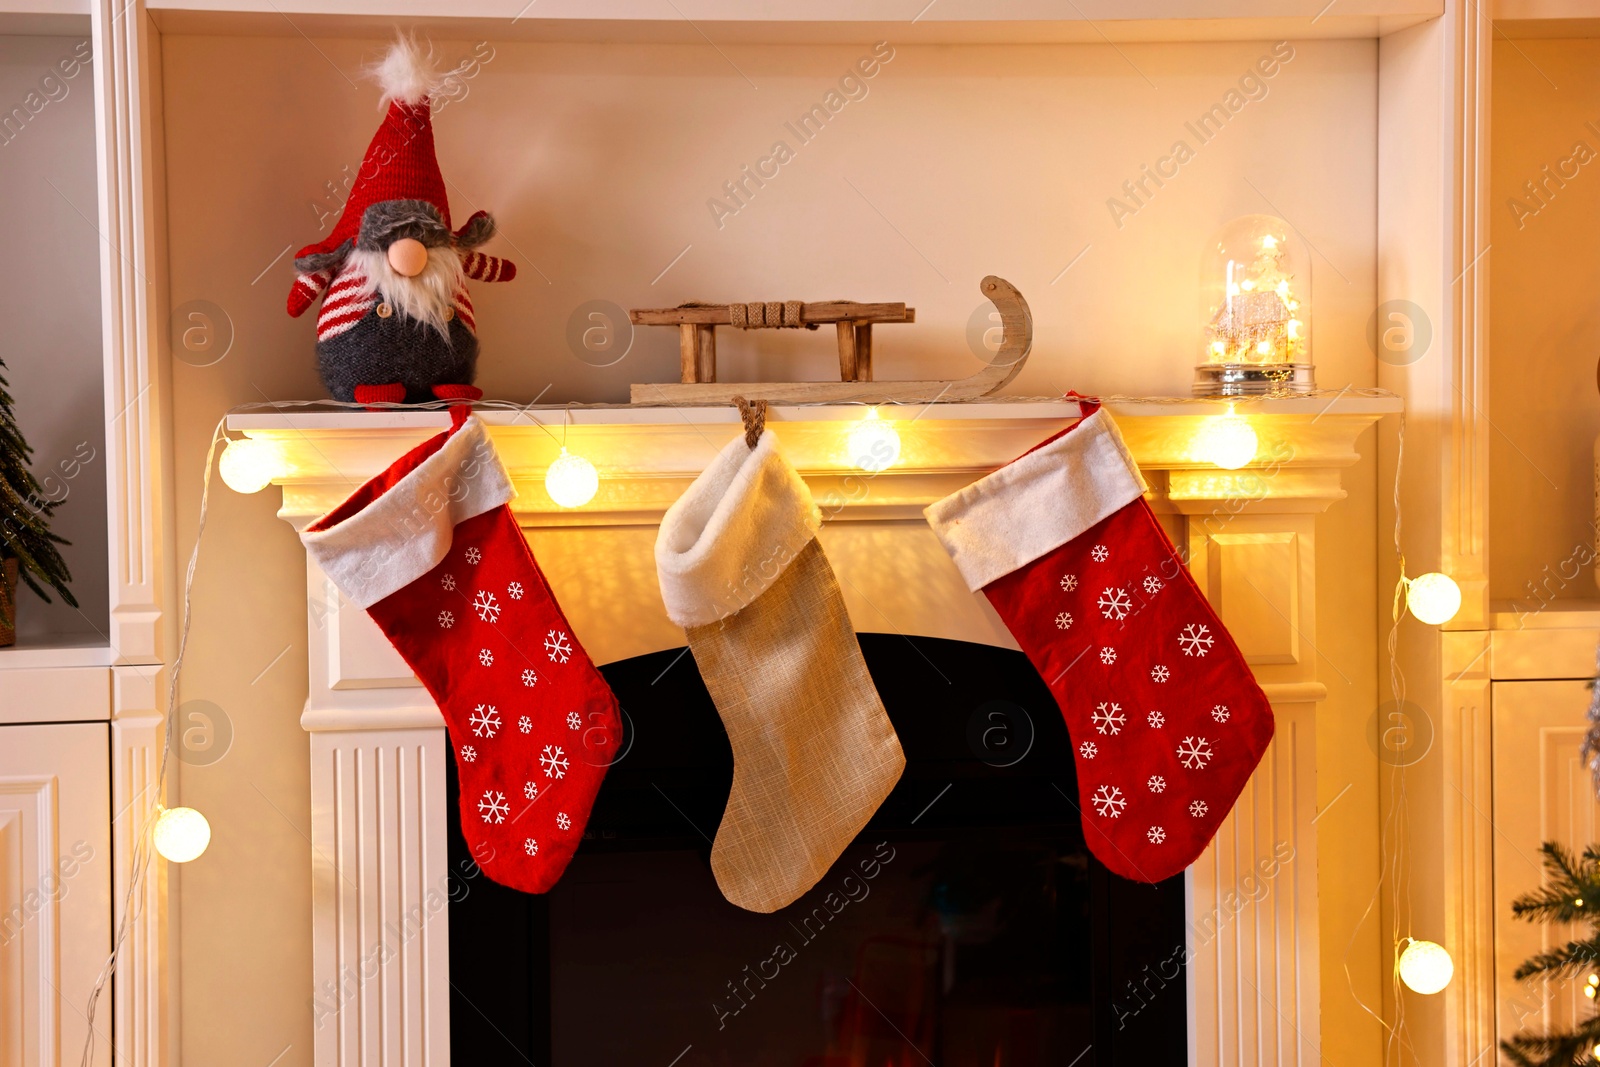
132	904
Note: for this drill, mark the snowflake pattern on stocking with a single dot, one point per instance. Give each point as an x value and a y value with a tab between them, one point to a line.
1064	620
1069	582
1158	673
554	762
446	620
574	720
468	753
493	807
447	581
1156	719
530	790
557	646
487	605
485	721
1152	585
525	725
1155	783
562	821
1115	604
529	678
531	847
1108	718
1198	809
1220	713
1196	639
1108	655
486	657
514	590
1088	750
1108	801
1100	553
1156	835
1194	753
474	556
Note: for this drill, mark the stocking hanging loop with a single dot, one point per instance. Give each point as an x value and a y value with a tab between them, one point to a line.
754	414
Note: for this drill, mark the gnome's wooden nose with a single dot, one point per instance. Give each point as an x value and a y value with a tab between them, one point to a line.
408	256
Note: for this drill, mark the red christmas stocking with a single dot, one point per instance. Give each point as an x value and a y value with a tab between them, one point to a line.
430	549
1166	719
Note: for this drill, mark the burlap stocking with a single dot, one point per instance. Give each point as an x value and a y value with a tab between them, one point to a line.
814	753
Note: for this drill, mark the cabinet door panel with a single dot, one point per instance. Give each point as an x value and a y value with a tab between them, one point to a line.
1542	792
55	890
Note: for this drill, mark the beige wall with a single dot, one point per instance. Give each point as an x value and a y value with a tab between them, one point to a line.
599	162
1544	319
50	304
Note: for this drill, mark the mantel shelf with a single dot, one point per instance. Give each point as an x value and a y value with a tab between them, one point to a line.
648	455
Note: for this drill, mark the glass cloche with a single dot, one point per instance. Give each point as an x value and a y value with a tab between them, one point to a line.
1255	299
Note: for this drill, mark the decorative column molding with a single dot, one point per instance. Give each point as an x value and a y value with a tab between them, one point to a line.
378	744
139	515
1433	222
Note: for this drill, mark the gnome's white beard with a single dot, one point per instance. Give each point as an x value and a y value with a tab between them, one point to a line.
425	298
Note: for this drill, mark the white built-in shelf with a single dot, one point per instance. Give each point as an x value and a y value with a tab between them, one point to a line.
805	21
54	652
44	18
1546	18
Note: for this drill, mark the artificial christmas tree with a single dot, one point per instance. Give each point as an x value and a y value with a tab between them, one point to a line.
1571	893
27	547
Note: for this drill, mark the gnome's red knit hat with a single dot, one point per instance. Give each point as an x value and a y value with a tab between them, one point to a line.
400	163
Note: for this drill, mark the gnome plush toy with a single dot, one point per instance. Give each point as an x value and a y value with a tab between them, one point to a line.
396	322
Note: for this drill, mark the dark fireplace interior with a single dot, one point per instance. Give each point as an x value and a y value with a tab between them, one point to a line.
967	926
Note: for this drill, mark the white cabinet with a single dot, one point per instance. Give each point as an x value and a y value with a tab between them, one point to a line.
55	890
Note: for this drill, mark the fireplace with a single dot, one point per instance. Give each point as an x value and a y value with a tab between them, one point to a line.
967	926
1246	919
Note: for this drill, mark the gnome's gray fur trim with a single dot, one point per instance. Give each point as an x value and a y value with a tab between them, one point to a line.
478	230
323	260
388	221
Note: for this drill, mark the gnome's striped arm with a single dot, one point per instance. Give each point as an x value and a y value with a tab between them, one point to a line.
488	268
306	289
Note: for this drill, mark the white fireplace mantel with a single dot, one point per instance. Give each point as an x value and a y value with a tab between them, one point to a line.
378	745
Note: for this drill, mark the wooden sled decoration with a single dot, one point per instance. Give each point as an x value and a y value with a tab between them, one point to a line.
853	326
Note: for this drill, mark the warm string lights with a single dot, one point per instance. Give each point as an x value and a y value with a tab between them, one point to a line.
1425	967
1228	441
180	834
248	466
873	445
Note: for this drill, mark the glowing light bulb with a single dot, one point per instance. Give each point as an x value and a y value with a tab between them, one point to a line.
181	834
874	444
1433	598
571	480
1264	348
248	465
1594	979
1425	967
1269	242
1228	441
1218	348
1233	288
1283	288
1294	328
1578	903
1248	284
1588	991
